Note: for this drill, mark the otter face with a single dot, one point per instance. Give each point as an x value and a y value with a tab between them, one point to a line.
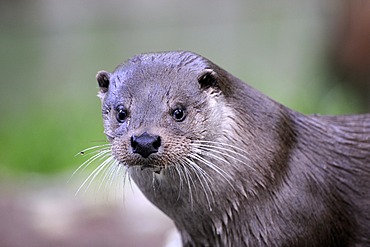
155	106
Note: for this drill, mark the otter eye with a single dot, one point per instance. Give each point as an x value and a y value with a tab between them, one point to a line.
121	114
178	114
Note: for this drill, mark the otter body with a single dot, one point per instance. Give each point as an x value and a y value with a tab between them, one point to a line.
230	166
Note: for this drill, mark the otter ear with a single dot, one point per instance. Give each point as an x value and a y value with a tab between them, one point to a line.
103	80
208	78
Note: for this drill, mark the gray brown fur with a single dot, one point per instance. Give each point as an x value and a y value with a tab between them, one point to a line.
240	169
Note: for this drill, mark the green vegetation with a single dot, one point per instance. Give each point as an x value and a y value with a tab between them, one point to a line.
50	53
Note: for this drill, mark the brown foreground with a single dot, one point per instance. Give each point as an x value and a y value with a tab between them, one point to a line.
48	214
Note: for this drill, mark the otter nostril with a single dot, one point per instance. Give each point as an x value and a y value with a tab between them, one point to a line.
133	142
145	144
157	143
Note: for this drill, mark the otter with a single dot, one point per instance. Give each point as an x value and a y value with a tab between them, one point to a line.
230	166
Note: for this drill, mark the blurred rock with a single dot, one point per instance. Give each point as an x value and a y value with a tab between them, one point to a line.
50	215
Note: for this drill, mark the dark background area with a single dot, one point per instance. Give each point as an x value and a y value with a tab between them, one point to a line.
312	56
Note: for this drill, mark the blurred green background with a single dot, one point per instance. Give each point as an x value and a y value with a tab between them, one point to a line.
312	56
51	50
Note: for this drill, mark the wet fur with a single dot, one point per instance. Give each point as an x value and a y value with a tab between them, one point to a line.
241	169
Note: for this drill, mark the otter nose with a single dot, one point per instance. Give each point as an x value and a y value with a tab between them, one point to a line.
145	144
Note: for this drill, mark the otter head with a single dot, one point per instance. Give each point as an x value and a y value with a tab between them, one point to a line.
157	107
198	142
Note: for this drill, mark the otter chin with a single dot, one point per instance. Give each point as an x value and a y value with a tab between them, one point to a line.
230	166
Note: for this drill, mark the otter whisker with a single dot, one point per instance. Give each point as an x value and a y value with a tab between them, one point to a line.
109	175
216	145
129	177
98	172
224	151
101	147
210	151
112	174
204	174
116	172
215	168
100	154
203	179
181	179
107	171
201	171
210	164
124	179
94	173
189	182
103	177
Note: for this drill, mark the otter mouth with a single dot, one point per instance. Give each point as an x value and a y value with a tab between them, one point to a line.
153	168
143	164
